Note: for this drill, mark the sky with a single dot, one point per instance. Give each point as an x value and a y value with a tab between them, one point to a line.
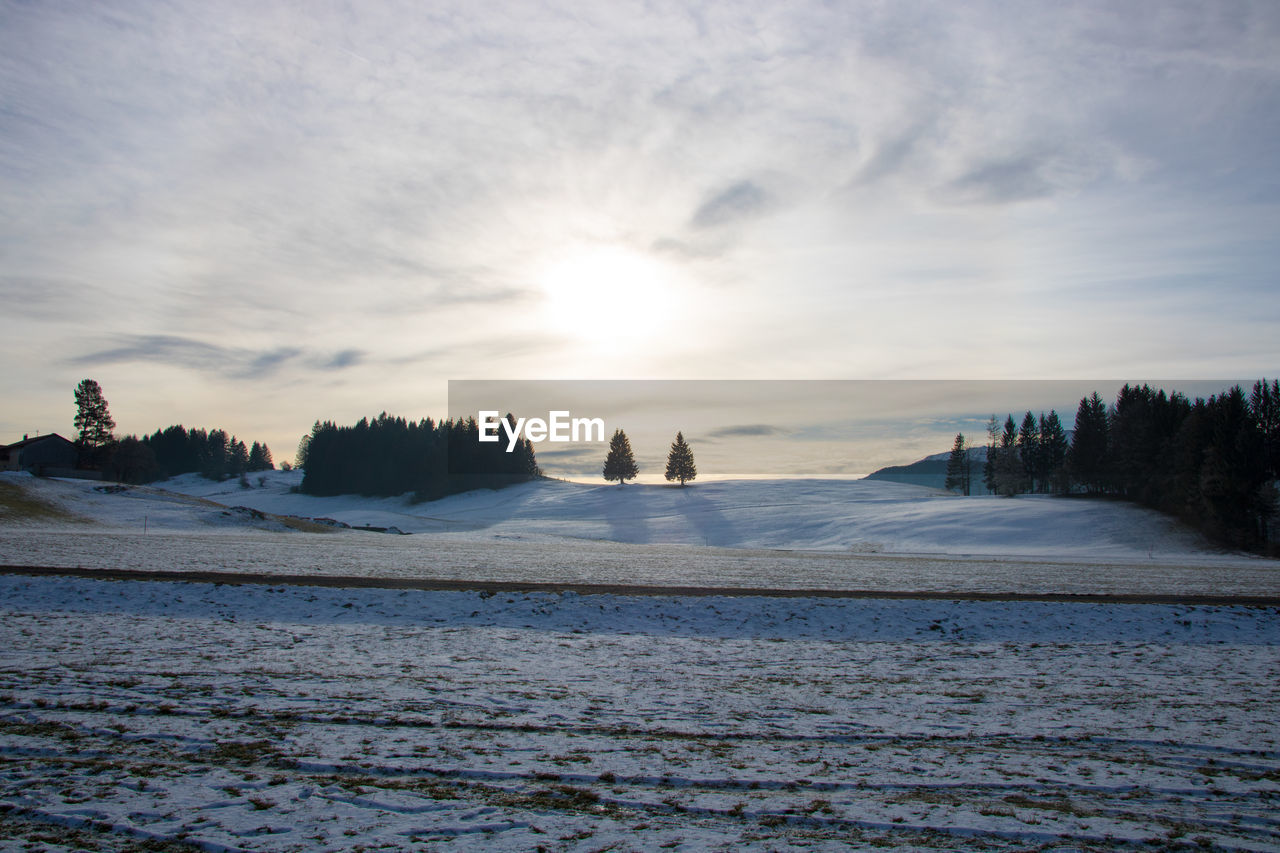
255	215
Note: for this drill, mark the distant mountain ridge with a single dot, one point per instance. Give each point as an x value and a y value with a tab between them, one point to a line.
931	471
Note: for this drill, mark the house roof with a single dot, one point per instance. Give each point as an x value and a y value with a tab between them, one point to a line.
18	445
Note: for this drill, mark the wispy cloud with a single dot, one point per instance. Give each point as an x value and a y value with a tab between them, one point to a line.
232	362
744	431
742	200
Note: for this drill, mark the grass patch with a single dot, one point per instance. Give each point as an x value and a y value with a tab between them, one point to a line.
302	525
18	503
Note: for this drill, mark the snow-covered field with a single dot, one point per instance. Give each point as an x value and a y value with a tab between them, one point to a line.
302	718
256	717
782	533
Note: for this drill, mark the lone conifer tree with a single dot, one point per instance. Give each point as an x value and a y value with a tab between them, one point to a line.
680	461
620	464
94	422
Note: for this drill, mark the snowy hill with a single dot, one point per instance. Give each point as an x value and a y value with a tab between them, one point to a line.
860	516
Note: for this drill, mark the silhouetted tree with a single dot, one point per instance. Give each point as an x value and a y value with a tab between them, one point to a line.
260	458
304	447
1008	465
1029	453
1087	457
132	461
1264	406
1053	453
959	466
680	461
989	465
94	422
237	458
1210	462
620	463
213	460
389	456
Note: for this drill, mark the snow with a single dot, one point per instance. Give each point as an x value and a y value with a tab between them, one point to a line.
851	535
809	514
296	718
301	718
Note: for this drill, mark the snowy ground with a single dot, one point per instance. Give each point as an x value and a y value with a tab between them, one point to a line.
864	516
826	535
265	718
175	716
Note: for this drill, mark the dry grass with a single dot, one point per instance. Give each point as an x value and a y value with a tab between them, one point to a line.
18	504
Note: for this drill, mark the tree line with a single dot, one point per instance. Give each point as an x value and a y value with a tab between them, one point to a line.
165	453
212	453
1211	462
389	456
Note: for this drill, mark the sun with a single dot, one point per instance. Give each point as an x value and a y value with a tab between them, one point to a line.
607	295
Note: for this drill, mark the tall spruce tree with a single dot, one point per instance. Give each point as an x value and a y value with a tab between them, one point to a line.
680	461
1087	457
620	463
989	465
260	458
1053	452
213	459
1264	406
237	458
958	466
1029	452
1008	466
94	422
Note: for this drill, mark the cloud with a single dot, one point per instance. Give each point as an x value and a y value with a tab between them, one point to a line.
232	362
327	176
47	298
345	358
1001	182
743	200
165	348
744	430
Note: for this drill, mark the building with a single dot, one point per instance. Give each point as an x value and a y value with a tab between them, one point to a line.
44	455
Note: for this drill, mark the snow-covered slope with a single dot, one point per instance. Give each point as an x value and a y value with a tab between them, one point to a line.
863	516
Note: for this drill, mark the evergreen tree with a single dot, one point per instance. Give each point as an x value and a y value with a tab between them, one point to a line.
1210	462
1053	452
1134	441
132	461
989	466
1087	456
1008	465
680	461
94	422
958	466
213	460
1029	453
304	447
620	463
237	458
260	458
1264	406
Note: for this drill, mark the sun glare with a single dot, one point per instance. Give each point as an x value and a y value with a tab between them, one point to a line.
608	295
